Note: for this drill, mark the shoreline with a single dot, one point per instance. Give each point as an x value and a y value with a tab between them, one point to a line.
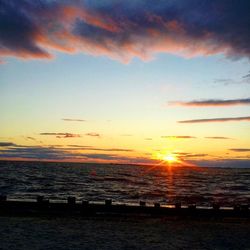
43	207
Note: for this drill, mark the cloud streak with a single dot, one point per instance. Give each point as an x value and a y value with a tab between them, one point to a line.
227	163
73	120
227	119
124	30
240	149
35	152
178	137
213	103
9	150
247	76
7	144
218	137
189	155
64	154
61	135
30	138
69	135
92	134
89	148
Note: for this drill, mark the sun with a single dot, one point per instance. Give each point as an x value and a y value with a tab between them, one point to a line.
169	158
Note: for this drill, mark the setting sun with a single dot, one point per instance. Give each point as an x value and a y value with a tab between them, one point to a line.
169	158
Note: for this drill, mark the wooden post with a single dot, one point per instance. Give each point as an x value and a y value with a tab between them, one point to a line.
71	200
3	198
108	202
142	203
177	205
157	205
40	199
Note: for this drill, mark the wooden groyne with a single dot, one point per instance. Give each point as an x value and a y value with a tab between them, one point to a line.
44	207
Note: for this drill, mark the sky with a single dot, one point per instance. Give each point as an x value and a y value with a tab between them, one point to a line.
125	81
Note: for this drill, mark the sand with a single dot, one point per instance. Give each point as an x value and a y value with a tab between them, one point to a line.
122	233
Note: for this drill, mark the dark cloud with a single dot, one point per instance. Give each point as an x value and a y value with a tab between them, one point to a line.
61	135
229	163
73	120
213	103
93	134
228	119
178	137
246	76
218	137
58	153
35	152
124	29
240	149
14	151
7	144
19	30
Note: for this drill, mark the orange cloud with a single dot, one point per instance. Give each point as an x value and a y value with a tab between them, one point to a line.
178	137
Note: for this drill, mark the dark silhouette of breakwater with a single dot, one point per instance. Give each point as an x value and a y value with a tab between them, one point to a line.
42	206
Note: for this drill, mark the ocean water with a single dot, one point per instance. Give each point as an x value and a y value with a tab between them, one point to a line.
125	183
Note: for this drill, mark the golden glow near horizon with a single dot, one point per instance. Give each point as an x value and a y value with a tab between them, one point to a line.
166	157
170	158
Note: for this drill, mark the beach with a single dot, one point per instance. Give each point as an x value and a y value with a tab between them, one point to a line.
137	232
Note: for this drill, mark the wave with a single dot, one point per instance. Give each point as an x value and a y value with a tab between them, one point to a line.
124	183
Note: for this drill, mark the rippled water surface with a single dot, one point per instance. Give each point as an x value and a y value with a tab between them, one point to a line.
124	183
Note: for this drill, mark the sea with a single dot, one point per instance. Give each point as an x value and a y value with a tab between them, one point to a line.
126	184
